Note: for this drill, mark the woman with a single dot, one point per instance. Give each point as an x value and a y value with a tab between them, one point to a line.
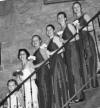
16	99
58	68
71	55
43	74
87	45
29	87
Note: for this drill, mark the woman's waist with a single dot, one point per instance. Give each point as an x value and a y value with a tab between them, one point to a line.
71	43
26	76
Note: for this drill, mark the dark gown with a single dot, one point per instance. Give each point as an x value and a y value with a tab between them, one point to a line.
59	77
71	57
88	50
44	82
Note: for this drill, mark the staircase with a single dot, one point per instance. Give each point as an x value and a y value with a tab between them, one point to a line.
92	98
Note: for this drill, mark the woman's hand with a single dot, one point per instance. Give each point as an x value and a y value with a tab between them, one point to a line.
62	40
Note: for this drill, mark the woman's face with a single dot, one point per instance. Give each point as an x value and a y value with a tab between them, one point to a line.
11	86
76	8
23	56
50	31
36	42
61	19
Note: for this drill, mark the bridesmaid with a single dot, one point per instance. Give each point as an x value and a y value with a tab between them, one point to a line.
43	74
58	68
87	44
71	56
29	88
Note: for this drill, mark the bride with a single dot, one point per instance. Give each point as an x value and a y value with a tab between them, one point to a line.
29	87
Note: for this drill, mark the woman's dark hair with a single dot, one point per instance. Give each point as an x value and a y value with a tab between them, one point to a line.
50	25
25	50
12	80
16	73
78	4
62	13
37	37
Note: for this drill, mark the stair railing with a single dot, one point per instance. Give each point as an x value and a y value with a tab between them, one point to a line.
29	77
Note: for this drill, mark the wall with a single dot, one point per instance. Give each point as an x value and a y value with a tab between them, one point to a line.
28	18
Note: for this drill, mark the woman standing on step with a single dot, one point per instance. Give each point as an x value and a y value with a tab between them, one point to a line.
86	45
71	55
58	69
43	74
29	87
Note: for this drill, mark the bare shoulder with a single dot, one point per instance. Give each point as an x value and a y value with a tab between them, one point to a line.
70	26
87	17
29	63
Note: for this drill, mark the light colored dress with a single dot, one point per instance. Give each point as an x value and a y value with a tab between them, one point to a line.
30	87
15	101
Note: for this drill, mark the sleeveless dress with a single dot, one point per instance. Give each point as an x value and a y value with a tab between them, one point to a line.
71	57
87	46
14	101
30	88
43	82
59	77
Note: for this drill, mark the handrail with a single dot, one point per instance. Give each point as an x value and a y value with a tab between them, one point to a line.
19	86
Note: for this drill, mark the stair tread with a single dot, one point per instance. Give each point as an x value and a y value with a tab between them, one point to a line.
91	92
78	105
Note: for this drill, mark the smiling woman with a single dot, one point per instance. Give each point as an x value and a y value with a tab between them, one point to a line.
58	1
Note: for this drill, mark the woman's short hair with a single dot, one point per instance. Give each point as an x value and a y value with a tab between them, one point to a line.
25	50
50	25
62	13
12	80
76	3
37	37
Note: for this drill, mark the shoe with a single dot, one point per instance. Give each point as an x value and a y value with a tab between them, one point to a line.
98	72
71	102
78	100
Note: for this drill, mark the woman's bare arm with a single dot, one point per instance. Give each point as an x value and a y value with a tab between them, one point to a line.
38	65
90	25
73	30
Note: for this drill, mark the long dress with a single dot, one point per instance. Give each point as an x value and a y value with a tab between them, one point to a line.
71	57
15	100
30	88
87	46
43	82
59	76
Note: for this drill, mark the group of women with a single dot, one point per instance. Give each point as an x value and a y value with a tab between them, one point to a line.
65	72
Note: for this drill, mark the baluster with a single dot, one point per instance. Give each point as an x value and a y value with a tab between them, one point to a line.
0	58
3	106
94	32
99	21
24	96
31	93
0	53
87	27
16	102
10	101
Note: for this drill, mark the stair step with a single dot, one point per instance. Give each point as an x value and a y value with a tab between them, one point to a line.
94	101
78	105
90	92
